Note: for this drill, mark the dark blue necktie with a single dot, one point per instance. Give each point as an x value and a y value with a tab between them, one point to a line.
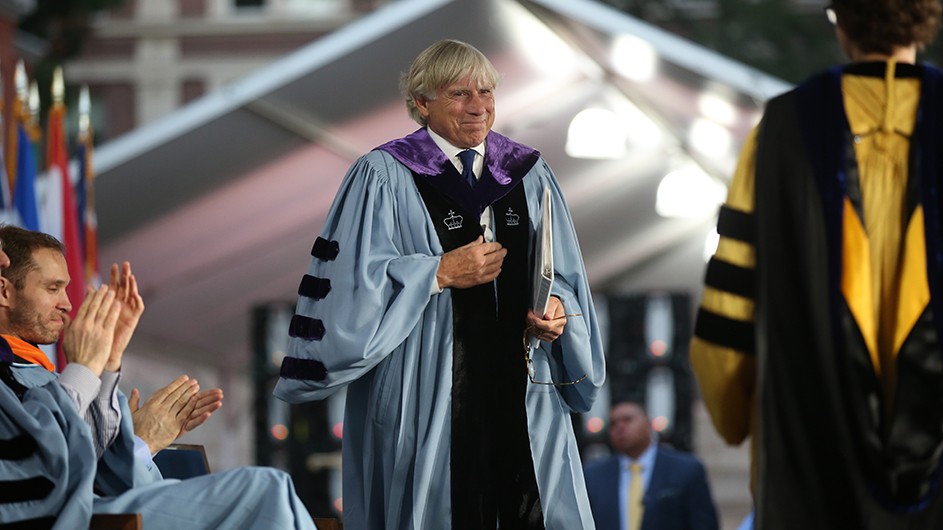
468	162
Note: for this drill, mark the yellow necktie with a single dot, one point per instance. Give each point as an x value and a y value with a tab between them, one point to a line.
635	497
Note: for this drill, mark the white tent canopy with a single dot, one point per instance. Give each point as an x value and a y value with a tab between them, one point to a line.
217	205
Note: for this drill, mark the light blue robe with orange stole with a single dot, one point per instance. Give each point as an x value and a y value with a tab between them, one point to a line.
378	329
53	469
47	461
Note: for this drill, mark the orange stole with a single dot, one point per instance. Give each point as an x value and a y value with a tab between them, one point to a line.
28	352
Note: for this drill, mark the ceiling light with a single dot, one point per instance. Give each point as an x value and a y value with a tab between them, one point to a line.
634	58
689	193
596	133
717	109
545	50
709	138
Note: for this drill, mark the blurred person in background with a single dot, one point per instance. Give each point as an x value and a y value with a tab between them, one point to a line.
819	329
672	490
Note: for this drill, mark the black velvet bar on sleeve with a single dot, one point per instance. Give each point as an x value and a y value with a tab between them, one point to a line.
306	328
17	448
303	369
736	224
314	287
731	278
725	331
324	249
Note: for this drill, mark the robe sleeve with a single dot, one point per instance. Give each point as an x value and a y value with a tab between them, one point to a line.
366	287
47	463
119	468
95	400
722	350
105	410
578	352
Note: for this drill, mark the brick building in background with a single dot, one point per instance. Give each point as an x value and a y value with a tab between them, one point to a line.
144	60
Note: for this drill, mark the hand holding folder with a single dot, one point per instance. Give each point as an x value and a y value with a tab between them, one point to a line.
543	261
543	284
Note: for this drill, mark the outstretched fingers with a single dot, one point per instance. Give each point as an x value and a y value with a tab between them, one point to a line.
163	395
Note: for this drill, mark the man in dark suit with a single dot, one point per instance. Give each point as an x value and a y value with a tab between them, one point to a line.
644	486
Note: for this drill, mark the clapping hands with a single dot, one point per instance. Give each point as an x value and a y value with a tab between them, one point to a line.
172	411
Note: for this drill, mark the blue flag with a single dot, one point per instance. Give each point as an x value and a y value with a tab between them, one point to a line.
24	194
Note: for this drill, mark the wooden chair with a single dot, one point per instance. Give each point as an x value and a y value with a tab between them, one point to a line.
120	521
328	524
132	521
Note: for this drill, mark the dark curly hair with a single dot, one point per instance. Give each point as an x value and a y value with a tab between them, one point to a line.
876	26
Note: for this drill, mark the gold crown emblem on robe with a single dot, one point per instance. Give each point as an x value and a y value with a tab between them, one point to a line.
453	221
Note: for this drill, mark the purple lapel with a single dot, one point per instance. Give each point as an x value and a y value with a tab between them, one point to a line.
506	163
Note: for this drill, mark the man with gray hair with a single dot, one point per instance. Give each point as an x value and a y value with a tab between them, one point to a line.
418	300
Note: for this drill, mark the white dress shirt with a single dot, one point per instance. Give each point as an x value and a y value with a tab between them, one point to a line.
452	153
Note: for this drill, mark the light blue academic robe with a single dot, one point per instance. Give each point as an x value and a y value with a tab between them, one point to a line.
48	460
389	339
244	498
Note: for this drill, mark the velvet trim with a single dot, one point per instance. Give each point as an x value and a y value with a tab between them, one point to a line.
914	287
17	448
30	489
6	353
856	281
314	287
325	250
736	224
6	374
491	472
724	331
824	126
506	162
878	69
506	159
306	328
928	166
303	369
731	278
39	523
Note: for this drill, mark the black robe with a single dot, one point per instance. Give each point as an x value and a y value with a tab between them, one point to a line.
828	456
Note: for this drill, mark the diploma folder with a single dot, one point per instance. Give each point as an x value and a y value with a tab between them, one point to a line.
543	260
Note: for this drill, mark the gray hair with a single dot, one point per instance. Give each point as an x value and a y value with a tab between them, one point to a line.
440	65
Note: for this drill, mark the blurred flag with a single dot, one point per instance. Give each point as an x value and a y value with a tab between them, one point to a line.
57	160
8	215
85	191
24	192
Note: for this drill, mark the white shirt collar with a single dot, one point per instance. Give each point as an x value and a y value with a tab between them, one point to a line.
450	150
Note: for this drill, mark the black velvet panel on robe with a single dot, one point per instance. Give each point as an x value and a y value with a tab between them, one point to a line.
492	468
